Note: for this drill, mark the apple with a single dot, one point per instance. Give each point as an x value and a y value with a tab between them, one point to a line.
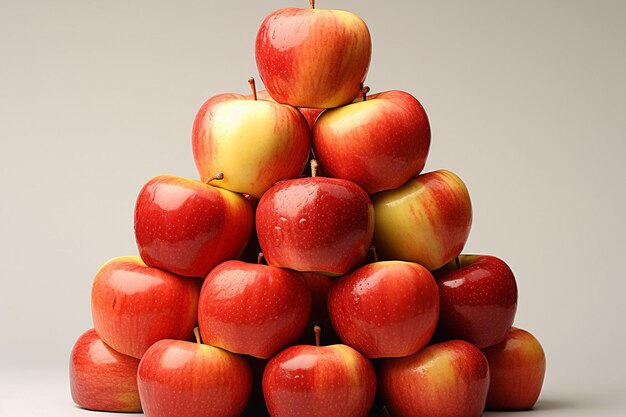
253	309
101	378
253	142
134	305
186	379
315	224
448	379
319	381
188	227
379	142
427	220
518	366
478	296
385	309
313	57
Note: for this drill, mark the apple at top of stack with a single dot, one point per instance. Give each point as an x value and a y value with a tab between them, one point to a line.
313	57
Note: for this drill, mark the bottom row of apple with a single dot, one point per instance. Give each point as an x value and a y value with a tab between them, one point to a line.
183	378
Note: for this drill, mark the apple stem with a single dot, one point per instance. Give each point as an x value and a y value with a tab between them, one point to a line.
457	261
260	258
216	177
314	167
253	87
318	332
196	333
312	3
374	253
364	92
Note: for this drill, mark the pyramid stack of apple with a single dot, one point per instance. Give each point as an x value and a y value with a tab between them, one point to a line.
313	269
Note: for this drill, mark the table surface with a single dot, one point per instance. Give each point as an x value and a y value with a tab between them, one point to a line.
26	394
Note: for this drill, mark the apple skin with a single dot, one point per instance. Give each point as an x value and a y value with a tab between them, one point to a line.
101	378
188	227
319	381
253	309
379	143
134	305
518	367
255	143
448	379
385	309
312	57
478	300
310	114
427	220
186	379
315	224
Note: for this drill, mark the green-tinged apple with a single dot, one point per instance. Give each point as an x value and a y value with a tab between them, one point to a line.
313	57
478	296
253	309
518	366
101	378
134	305
188	227
448	379
379	142
178	378
385	309
253	142
427	220
315	224
319	381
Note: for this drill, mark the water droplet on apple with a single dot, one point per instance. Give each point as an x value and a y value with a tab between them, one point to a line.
278	234
302	223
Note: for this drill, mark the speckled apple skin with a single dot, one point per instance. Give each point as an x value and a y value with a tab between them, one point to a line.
134	305
427	220
188	227
385	309
478	300
186	379
379	143
253	309
312	57
254	143
315	224
101	378
448	379
314	381
518	368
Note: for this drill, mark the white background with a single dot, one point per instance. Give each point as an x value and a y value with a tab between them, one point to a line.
527	104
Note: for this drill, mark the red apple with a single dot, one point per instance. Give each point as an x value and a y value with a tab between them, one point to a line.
448	379
101	378
315	224
385	309
188	227
319	381
518	366
427	220
313	57
253	142
478	300
253	309
186	379
379	142
134	305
